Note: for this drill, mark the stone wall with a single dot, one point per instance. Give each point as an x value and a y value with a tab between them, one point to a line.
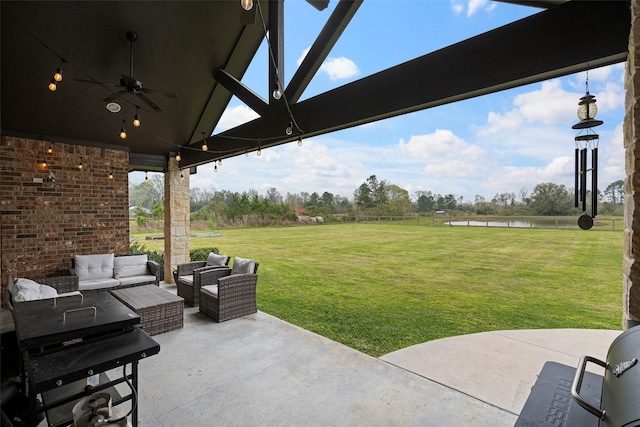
45	223
176	218
631	260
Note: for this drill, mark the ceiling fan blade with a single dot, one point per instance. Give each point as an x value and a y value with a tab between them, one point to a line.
128	80
149	102
114	96
160	92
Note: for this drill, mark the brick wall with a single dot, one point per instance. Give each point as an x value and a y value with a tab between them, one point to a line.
44	224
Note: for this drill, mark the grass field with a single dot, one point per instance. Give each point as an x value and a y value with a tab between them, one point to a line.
381	287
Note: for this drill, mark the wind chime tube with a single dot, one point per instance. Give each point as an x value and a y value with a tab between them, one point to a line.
577	182
594	182
583	178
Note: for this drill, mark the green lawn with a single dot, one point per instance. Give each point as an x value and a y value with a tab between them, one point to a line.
381	287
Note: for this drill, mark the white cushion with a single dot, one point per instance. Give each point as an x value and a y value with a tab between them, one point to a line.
130	265
126	281
28	290
107	282
186	279
243	266
211	289
91	267
215	259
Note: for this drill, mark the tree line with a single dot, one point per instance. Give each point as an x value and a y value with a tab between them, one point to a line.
374	197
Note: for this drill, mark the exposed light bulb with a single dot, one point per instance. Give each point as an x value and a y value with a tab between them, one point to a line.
80	165
181	175
136	119
246	4
259	152
219	162
44	163
204	146
146	177
246	153
111	174
52	86
215	168
123	133
57	76
277	94
289	129
299	141
50	149
178	157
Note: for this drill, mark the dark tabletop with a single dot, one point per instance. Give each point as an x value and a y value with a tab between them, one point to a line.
43	322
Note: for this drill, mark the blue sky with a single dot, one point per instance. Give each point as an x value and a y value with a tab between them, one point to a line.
497	143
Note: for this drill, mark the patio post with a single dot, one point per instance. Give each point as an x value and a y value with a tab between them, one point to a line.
176	218
631	254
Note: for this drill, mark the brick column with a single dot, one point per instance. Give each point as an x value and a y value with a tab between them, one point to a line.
176	218
631	260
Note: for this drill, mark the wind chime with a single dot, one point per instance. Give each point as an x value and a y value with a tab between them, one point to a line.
586	140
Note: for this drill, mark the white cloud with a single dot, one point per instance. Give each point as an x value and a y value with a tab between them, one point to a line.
336	68
235	116
340	68
472	6
444	153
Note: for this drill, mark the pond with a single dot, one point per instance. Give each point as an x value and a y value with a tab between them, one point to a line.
519	223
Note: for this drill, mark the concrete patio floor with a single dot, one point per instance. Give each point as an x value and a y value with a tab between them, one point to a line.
260	370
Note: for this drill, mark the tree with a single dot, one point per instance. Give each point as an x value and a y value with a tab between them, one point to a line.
550	199
274	196
615	192
425	200
398	199
362	196
327	199
157	212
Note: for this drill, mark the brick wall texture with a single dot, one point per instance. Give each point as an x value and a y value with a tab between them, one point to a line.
44	224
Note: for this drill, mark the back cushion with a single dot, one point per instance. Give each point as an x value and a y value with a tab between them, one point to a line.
217	260
243	266
130	265
94	266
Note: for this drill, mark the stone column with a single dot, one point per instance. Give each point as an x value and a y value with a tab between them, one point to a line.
631	260
176	218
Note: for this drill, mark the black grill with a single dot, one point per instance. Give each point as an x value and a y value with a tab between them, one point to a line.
564	396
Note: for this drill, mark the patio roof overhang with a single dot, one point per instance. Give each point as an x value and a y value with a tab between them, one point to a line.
200	51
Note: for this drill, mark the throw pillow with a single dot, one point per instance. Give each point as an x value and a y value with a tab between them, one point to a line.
217	260
28	290
243	266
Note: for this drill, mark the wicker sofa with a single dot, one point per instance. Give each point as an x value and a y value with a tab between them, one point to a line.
109	271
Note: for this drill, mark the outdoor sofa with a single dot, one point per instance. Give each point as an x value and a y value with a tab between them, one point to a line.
109	271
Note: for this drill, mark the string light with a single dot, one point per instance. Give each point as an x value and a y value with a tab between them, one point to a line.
53	86
246	4
181	174
57	76
136	119
44	162
246	153
123	133
299	141
146	176
215	168
111	174
80	164
289	129
259	152
50	149
178	156
219	162
204	142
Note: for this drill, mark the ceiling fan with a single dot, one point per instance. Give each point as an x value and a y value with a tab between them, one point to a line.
133	86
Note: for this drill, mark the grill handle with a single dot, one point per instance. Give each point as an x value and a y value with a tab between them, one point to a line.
577	384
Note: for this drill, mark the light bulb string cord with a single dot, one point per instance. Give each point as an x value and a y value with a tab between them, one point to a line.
275	67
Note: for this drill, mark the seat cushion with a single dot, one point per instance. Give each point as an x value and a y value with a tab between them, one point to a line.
145	278
87	285
90	267
217	260
186	279
130	265
243	266
210	290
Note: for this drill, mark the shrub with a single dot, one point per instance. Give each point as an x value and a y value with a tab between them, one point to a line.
201	254
138	249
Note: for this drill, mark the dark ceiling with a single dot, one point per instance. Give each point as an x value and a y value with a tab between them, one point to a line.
200	50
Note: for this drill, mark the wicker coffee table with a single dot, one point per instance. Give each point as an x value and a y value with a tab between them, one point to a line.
159	310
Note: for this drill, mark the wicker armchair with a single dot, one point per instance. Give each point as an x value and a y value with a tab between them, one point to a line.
230	296
189	278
